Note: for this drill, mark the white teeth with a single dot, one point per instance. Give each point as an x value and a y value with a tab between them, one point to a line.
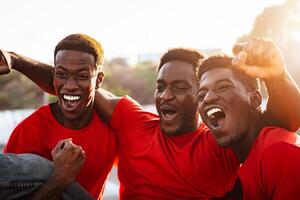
71	98
213	111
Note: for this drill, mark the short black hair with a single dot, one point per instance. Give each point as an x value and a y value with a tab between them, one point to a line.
192	56
83	43
224	61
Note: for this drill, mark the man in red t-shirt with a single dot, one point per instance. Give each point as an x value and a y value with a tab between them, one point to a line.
229	104
77	75
173	155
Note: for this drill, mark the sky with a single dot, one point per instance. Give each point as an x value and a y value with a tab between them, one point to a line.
126	28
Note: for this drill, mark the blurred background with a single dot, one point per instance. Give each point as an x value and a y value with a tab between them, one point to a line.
134	35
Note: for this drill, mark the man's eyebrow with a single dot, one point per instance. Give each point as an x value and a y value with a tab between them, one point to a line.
179	82
60	67
84	68
224	80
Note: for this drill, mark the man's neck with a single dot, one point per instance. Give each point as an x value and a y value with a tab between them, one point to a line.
74	124
244	145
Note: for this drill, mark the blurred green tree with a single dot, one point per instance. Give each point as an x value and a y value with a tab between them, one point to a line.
16	91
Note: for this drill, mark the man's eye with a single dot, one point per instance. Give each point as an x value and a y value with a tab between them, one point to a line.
159	88
61	74
224	87
82	77
179	89
201	96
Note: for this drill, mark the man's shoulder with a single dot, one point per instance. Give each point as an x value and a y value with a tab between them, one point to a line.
272	136
280	146
40	115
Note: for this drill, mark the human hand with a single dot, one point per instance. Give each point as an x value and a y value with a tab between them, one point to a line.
259	58
4	67
68	159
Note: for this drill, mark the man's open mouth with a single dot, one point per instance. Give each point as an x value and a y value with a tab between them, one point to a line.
70	102
169	113
216	116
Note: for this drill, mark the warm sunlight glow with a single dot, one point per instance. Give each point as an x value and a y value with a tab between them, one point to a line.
127	28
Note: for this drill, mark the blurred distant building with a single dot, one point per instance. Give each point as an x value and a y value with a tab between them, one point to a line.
155	57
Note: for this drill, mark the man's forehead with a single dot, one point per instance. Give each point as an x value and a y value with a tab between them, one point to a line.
81	56
176	68
216	75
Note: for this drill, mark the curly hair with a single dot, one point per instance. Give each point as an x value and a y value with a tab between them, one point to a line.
83	43
188	55
224	61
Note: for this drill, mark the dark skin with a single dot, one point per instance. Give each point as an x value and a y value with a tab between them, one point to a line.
263	59
105	102
176	88
219	88
75	76
280	111
68	159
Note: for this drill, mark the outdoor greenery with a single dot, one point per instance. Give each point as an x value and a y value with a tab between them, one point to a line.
138	81
17	91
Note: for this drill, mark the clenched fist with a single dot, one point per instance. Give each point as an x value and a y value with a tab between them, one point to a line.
68	159
259	58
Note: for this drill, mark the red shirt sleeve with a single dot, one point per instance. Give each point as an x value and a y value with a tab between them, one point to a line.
25	139
280	171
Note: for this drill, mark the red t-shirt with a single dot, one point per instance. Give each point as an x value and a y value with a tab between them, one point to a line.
40	132
155	166
271	170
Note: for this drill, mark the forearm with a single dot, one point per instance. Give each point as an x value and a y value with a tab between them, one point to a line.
51	190
39	73
105	103
283	107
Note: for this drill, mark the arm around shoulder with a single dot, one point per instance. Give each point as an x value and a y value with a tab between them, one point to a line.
105	104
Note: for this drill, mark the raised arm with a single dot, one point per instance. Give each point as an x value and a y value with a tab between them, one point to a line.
263	59
40	73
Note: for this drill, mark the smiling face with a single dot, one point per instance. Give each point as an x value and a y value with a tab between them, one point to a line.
176	97
225	105
75	79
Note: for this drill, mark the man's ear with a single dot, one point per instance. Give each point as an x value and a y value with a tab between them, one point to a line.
100	77
255	99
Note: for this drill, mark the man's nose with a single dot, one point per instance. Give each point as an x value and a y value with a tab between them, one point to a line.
167	94
70	83
210	97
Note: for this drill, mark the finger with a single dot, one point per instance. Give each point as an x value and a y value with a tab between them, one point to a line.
68	146
248	48
4	69
65	142
237	48
258	72
270	54
239	60
2	59
256	53
62	144
57	147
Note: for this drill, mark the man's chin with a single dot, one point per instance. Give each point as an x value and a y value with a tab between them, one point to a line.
169	130
224	142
